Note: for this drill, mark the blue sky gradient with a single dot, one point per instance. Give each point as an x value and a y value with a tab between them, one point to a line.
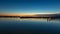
29	6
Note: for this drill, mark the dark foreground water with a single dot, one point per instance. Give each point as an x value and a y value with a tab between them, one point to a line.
29	26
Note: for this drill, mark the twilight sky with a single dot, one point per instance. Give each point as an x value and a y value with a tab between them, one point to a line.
29	6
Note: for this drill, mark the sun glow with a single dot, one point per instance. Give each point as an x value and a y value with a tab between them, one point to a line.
44	13
40	13
24	14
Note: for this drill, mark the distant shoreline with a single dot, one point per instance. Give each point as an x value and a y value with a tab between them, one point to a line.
48	16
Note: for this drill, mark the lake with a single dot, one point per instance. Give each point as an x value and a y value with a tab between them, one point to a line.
29	26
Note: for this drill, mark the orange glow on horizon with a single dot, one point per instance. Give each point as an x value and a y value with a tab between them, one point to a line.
27	14
17	14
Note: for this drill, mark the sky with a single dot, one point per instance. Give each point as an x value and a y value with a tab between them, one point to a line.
29	6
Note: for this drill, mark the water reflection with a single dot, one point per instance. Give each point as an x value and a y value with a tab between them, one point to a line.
17	25
31	19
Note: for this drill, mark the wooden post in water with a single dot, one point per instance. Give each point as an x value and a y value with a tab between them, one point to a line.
48	19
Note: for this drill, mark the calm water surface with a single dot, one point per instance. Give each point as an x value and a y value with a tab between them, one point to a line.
29	26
